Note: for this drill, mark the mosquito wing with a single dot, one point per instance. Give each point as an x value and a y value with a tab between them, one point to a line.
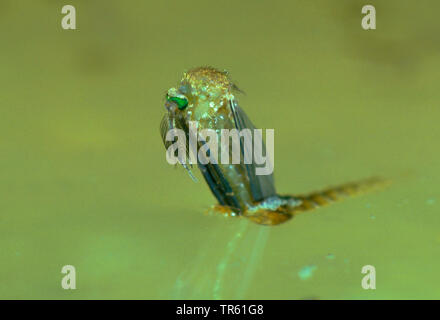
167	124
262	186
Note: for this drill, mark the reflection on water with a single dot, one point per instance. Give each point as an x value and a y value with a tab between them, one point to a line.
225	266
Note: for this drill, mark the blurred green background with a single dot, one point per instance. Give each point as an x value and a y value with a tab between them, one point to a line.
83	175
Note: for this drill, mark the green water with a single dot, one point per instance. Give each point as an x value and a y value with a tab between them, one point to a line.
84	180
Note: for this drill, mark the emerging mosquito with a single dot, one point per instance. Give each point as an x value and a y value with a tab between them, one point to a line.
206	95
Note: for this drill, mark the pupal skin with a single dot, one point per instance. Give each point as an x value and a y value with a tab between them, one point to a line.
206	95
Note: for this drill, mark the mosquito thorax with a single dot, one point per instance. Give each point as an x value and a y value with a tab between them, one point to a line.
209	91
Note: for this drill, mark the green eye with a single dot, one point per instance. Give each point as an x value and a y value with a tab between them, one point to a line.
181	102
